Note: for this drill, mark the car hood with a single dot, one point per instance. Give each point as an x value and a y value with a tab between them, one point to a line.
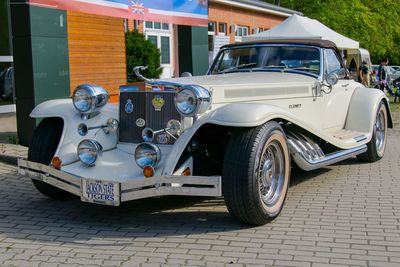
252	86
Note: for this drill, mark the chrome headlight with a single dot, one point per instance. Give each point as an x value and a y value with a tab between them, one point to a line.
88	151
192	100
88	98
147	154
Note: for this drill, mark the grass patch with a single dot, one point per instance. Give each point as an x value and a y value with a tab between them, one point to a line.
394	107
13	140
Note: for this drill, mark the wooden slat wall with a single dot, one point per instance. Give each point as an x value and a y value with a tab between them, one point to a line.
96	51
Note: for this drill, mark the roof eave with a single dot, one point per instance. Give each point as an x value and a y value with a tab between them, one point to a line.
256	8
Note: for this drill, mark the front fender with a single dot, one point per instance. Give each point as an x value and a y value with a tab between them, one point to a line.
231	115
363	107
64	109
247	114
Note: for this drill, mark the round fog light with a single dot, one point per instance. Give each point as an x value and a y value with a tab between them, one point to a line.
88	151
147	154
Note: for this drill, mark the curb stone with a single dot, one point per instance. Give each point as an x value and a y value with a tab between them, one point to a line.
10	153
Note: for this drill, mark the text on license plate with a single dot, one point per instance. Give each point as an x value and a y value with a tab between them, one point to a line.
102	192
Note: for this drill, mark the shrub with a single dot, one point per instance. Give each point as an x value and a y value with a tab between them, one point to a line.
141	52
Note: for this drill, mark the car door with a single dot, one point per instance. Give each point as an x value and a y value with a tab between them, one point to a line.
334	102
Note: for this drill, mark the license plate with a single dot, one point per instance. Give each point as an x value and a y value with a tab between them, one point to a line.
101	192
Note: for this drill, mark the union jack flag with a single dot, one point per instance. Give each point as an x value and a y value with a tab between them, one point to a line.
137	8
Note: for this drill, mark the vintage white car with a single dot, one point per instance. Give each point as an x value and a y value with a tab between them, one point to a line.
235	132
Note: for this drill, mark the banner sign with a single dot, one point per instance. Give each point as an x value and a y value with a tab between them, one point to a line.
182	12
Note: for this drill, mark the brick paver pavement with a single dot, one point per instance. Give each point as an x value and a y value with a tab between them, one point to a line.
346	214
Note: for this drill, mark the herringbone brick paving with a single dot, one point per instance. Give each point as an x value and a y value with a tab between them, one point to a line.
346	214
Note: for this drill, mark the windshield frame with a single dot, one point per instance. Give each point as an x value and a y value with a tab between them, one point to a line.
321	60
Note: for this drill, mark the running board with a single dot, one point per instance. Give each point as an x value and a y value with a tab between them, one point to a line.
308	164
309	156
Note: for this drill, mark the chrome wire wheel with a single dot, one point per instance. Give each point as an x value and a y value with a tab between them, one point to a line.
376	146
380	131
271	173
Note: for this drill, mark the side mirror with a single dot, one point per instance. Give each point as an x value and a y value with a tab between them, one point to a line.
332	78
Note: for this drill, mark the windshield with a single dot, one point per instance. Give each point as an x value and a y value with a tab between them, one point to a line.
263	58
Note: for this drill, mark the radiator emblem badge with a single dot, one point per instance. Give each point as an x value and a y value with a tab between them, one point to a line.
140	122
158	102
129	106
162	138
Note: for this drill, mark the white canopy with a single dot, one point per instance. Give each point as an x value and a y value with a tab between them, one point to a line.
297	26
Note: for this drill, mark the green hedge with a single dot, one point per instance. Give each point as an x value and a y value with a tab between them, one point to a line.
141	52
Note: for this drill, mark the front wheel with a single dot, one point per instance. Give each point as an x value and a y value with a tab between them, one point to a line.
376	147
256	173
43	146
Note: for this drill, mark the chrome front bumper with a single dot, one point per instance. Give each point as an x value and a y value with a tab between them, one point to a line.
127	190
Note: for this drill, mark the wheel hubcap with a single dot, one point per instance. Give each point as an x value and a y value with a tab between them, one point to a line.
271	173
380	132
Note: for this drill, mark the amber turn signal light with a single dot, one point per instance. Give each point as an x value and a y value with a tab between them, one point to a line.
186	172
56	163
148	171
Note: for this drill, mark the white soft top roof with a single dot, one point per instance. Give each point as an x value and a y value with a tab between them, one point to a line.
297	26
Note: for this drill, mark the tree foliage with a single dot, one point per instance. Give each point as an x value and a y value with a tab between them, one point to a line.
375	24
141	52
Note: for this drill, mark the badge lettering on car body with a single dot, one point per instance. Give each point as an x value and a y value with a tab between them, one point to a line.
295	106
158	102
129	106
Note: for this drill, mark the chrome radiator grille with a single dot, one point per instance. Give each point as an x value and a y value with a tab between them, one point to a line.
140	109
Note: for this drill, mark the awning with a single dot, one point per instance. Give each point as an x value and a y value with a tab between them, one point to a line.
182	12
302	27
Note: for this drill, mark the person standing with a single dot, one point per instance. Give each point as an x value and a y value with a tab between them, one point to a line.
382	74
365	74
360	74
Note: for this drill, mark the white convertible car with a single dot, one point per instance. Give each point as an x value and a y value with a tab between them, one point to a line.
235	132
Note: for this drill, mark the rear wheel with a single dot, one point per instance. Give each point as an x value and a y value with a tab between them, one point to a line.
256	173
43	146
376	147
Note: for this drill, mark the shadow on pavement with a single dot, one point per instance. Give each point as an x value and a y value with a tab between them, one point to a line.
75	222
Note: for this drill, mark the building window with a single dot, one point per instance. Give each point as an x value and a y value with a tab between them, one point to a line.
165	50
242	31
152	39
259	29
148	24
222	28
211	26
165	26
156	25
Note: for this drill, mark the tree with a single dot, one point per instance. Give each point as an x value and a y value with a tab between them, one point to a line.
372	23
141	52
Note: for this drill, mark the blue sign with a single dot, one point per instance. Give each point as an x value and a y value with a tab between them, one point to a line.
184	12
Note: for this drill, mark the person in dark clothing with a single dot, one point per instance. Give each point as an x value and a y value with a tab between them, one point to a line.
360	74
382	74
396	89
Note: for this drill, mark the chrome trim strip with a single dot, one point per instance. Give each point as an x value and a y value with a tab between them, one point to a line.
360	138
